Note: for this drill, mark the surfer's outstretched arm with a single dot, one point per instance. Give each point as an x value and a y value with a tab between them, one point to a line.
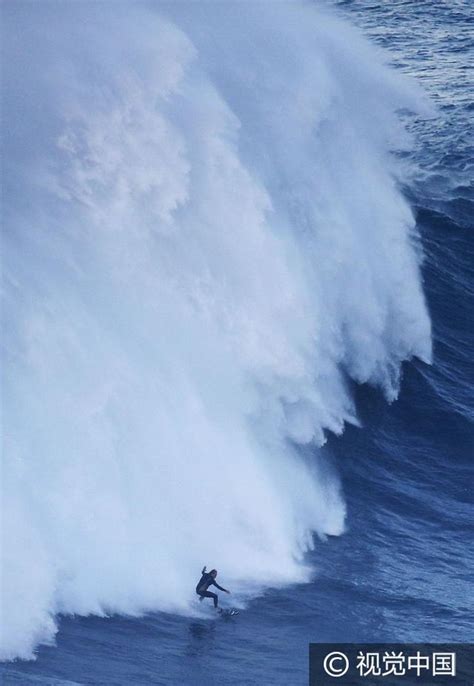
203	570
220	587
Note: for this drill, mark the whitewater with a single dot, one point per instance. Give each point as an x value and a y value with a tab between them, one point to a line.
205	246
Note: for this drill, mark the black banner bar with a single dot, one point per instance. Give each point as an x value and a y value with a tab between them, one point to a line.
391	664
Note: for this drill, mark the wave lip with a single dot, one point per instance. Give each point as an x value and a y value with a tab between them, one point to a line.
206	239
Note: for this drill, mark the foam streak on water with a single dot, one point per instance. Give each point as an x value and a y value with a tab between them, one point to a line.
205	240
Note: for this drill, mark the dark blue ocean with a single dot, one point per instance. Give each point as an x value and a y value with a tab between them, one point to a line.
402	569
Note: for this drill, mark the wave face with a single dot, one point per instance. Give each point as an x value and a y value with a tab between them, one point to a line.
205	245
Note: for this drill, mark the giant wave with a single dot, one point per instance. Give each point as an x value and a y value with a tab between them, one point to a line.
205	245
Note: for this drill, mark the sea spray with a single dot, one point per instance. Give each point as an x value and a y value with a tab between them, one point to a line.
204	243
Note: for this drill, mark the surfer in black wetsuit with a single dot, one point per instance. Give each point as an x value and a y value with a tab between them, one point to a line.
208	579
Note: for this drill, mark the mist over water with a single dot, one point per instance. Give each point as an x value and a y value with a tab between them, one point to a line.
205	244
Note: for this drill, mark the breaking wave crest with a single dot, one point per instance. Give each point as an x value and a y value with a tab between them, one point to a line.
205	245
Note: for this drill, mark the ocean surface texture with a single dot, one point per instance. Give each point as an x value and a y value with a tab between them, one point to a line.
238	331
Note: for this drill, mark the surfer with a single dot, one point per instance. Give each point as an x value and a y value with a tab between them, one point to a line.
208	579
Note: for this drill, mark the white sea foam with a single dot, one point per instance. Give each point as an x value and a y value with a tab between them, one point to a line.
204	241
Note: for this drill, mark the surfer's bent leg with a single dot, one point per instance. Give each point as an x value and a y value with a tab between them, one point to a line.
208	594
